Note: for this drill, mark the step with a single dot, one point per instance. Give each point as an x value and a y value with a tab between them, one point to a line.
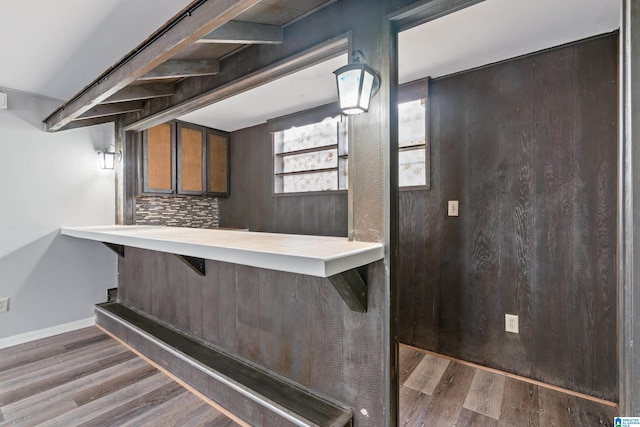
256	395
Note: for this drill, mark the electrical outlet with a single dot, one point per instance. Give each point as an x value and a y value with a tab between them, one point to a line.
511	323
452	208
4	304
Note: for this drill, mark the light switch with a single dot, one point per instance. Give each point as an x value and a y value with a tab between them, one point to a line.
3	101
453	208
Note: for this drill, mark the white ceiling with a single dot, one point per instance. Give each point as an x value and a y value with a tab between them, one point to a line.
495	30
55	48
299	91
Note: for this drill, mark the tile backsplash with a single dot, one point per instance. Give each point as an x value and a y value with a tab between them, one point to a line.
177	211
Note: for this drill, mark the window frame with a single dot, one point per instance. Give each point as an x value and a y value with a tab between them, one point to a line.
303	118
413	91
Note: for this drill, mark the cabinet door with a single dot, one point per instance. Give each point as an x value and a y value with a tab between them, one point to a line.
218	163
159	151
191	159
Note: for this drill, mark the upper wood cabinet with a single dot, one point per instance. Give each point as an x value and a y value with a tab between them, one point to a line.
217	162
191	159
159	165
184	158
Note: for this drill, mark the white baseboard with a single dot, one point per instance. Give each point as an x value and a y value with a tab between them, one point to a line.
47	332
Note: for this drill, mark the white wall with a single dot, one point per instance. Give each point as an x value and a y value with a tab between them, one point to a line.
48	181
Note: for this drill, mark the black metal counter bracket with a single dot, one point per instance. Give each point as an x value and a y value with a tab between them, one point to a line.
352	288
118	249
196	264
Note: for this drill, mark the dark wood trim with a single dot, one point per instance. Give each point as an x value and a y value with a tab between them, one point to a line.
145	169
115	109
427	10
121	177
311	193
81	123
412	91
392	234
180	68
148	91
307	171
131	175
208	167
629	212
427	138
309	150
411	147
301	118
194	23
414	188
245	33
203	132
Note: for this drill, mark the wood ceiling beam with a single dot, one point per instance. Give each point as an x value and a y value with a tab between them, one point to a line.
135	93
178	68
80	123
245	33
198	20
205	96
112	109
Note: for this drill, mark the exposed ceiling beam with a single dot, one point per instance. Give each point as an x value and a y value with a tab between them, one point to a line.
245	33
112	109
177	68
133	93
204	97
194	23
90	122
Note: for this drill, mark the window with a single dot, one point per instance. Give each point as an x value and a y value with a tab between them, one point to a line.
311	157
413	119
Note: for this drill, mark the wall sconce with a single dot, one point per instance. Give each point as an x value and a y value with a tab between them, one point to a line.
357	84
108	157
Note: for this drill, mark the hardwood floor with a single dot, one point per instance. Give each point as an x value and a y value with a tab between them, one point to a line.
86	378
436	392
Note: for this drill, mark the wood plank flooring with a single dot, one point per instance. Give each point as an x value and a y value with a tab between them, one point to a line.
435	391
86	378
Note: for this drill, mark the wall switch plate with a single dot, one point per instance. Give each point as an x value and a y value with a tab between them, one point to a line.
4	304
511	323
452	208
3	101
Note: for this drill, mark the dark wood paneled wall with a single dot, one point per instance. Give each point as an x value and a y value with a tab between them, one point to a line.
528	147
252	204
295	325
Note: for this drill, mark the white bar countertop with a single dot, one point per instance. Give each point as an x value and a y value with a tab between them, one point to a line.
319	256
